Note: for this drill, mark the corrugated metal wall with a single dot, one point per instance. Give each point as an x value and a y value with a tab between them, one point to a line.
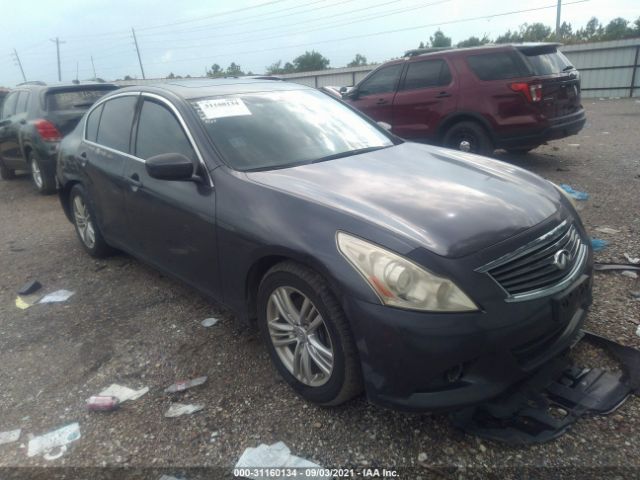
607	70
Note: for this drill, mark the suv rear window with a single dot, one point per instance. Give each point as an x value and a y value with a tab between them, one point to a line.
498	65
74	99
546	63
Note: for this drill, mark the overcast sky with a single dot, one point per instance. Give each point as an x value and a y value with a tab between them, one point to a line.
185	36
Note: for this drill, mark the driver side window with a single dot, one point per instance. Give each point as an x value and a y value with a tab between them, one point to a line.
160	132
384	80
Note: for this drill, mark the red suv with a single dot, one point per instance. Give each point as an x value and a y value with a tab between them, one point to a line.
478	99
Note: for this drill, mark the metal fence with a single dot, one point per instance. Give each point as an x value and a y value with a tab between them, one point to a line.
608	69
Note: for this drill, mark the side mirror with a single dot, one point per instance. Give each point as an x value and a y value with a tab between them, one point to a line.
343	89
349	92
170	166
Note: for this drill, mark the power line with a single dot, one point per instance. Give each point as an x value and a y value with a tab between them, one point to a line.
57	41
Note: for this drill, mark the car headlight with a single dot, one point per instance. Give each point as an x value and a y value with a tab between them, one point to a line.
566	195
401	283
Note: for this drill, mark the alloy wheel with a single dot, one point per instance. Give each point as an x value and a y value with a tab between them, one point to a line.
36	174
300	336
83	222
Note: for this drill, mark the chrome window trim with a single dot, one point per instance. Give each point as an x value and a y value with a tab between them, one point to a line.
172	108
581	257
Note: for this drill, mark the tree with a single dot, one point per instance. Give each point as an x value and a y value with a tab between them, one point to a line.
536	32
616	29
128	77
310	61
277	68
473	42
171	75
215	71
637	24
234	70
421	45
566	31
358	61
439	39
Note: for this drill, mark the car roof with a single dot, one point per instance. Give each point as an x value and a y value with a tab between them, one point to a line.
417	54
199	88
37	85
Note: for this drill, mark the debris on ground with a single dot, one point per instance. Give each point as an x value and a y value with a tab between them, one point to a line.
10	436
179	409
185	384
598	244
30	287
575	194
25	301
629	274
575	145
57	296
102	403
607	230
635	295
123	393
630	259
57	439
209	322
277	455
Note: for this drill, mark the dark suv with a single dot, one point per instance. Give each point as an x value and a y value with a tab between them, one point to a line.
33	120
478	99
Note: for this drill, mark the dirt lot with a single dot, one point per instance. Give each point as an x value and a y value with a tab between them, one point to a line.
128	324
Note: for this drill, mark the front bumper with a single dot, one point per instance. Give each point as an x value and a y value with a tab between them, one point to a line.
556	128
432	362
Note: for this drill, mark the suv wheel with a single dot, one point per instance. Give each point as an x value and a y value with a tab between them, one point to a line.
468	137
45	184
307	335
84	221
6	173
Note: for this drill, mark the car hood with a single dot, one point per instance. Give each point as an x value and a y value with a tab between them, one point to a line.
450	202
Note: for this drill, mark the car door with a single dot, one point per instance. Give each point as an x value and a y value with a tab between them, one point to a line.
103	151
9	124
427	93
374	95
172	223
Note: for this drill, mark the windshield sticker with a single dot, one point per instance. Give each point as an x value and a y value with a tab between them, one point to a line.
222	107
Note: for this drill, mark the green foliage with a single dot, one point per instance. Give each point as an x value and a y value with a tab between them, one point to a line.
358	61
439	39
234	70
215	71
474	42
277	68
310	61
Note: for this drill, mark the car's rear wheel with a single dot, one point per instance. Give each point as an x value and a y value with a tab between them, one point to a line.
44	183
6	173
468	137
86	227
307	335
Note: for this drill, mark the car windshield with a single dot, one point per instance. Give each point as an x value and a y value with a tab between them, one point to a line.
277	129
74	99
547	63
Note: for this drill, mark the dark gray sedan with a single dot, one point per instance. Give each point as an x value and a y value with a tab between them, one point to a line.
429	277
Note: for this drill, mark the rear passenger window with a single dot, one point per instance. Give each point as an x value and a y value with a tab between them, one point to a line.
115	123
159	132
497	66
9	107
23	99
430	73
93	120
382	81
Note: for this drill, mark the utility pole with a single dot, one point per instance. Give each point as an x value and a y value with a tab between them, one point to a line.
19	63
558	20
135	40
77	69
94	68
58	42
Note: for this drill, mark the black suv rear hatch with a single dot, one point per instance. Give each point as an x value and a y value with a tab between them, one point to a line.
66	105
559	79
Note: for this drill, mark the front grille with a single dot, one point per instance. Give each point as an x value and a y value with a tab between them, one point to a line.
544	266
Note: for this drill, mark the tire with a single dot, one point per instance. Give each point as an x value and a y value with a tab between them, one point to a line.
468	136
44	183
328	386
6	173
86	228
520	151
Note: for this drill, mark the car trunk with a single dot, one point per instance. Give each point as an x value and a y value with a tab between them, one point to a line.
66	106
559	79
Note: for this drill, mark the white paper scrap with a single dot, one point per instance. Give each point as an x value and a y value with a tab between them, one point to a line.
57	438
179	409
10	436
223	107
123	393
57	296
277	455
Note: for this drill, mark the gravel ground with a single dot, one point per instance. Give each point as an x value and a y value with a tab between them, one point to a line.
128	324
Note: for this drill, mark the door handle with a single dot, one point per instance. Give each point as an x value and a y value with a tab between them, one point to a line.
443	95
134	182
381	101
83	159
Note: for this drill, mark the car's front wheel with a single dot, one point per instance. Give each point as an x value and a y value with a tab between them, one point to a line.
307	335
84	221
468	137
44	183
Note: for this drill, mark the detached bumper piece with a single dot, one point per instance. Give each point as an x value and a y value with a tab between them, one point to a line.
548	403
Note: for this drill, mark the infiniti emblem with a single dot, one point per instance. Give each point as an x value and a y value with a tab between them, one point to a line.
561	259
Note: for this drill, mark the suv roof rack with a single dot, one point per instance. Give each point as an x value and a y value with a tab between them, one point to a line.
31	82
422	51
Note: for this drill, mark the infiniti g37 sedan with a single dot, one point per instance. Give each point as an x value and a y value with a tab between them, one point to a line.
428	277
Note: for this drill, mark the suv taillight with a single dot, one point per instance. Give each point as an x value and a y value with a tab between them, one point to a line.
47	130
532	92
